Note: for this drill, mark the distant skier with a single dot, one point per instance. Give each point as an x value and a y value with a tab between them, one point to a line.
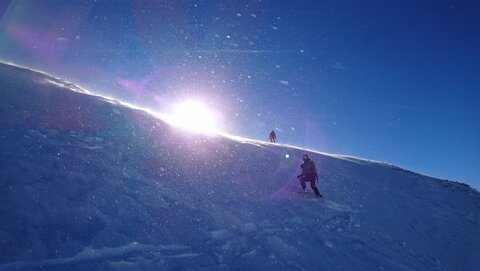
273	137
309	174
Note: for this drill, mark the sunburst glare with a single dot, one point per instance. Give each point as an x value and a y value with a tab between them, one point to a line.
194	116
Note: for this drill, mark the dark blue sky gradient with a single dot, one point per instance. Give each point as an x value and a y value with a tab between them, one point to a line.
395	81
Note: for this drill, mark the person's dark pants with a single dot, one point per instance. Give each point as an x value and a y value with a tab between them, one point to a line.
312	185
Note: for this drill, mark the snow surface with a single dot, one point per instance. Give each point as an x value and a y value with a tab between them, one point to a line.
88	183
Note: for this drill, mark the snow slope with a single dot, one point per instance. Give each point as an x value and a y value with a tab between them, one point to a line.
90	184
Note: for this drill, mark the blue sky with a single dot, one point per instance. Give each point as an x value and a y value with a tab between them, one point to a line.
395	81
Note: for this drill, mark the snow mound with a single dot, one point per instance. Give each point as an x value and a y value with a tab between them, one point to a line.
91	184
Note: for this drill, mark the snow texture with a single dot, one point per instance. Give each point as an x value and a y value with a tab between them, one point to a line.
90	184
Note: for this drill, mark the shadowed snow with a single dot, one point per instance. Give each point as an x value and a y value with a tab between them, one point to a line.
91	184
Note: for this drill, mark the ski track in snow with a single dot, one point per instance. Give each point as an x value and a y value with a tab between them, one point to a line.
90	184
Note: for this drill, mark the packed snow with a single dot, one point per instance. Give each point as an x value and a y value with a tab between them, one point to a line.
91	184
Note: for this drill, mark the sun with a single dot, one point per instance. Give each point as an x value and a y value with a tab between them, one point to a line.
194	116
